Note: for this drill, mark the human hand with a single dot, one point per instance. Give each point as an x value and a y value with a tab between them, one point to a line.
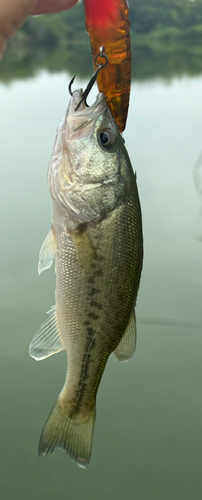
14	12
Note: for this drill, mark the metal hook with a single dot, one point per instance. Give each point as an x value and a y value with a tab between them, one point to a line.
102	55
70	85
88	88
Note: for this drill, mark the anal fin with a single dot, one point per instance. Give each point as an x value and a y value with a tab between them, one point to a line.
126	346
47	340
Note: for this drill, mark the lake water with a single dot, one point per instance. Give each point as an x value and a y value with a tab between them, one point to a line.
148	433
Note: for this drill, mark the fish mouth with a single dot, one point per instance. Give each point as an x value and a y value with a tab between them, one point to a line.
80	122
96	108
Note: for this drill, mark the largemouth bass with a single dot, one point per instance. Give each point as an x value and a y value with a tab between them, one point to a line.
96	239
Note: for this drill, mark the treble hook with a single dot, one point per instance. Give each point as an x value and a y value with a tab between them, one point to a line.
93	78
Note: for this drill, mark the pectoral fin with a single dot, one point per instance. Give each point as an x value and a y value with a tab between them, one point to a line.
47	252
126	347
84	248
47	340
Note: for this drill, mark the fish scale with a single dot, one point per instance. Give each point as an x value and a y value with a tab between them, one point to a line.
114	313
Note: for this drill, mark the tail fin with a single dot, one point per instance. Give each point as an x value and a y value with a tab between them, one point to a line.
70	431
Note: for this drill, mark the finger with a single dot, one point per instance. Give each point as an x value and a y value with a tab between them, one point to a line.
3	44
50	6
12	15
14	12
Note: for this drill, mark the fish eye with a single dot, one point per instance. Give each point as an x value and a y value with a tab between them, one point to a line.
107	139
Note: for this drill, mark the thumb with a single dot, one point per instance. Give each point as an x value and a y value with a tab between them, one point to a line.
12	15
14	12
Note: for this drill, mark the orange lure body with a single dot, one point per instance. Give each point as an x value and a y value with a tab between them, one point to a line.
107	23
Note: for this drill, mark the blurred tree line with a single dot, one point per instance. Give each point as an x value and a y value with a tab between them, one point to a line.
163	19
167	19
165	34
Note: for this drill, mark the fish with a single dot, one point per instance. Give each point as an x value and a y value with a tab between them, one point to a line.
97	243
108	25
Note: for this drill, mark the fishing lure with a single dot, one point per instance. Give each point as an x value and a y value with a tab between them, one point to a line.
107	23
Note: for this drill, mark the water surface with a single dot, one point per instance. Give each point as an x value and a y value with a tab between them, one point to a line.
147	440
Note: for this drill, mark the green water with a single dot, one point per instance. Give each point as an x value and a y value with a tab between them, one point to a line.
148	433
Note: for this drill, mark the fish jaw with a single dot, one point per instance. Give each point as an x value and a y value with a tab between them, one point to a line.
80	123
85	159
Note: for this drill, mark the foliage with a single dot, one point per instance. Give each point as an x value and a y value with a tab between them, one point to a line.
150	15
